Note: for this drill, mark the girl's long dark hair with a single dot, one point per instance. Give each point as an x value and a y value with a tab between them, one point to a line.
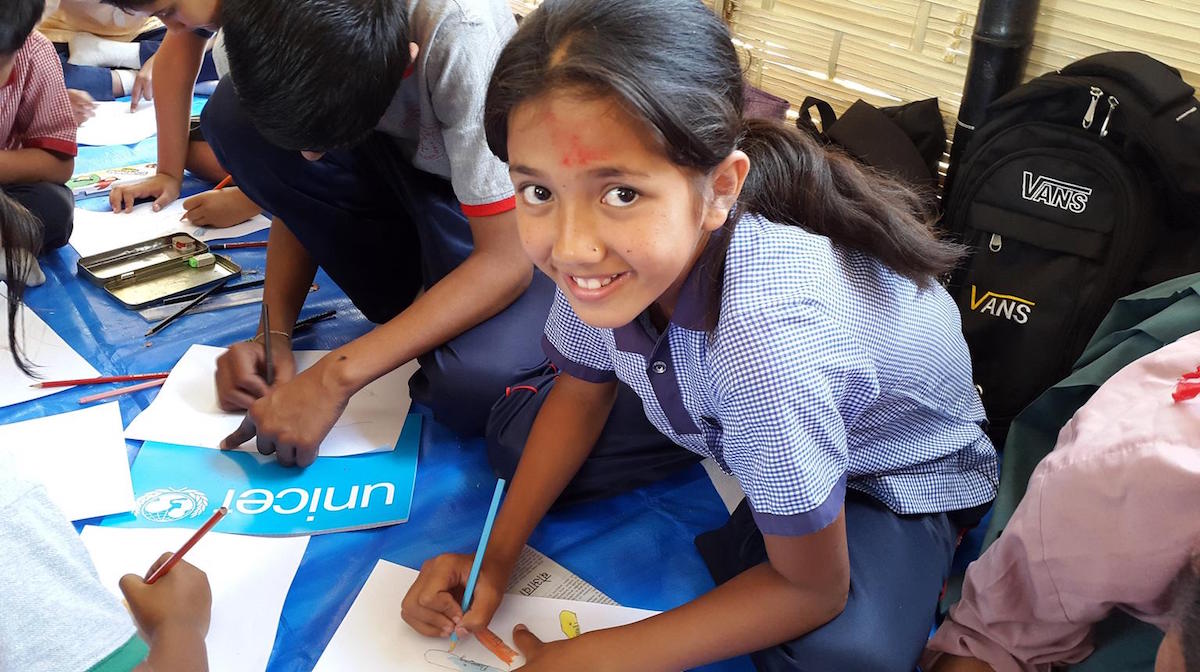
17	239
672	64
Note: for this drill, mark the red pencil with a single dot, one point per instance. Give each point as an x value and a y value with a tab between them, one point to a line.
101	379
187	545
122	390
224	183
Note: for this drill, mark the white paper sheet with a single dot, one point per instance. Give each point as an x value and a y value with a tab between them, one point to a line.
97	232
79	456
249	576
374	637
115	124
52	358
185	411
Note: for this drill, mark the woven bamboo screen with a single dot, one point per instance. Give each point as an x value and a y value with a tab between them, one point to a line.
888	51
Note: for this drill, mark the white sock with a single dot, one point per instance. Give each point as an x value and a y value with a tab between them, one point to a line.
87	49
26	265
127	78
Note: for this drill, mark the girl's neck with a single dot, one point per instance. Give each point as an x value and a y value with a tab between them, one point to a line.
663	308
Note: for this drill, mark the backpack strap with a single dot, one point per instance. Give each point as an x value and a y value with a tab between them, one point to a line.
828	117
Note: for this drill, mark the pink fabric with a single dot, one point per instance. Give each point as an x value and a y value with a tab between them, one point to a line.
1109	520
35	111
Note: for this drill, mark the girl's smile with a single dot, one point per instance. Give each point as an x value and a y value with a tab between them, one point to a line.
601	209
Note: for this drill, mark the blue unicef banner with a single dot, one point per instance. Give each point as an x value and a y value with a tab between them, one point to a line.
181	486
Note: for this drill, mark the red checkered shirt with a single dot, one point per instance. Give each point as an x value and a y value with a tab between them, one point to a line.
34	108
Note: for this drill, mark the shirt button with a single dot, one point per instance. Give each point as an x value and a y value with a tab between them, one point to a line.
658	367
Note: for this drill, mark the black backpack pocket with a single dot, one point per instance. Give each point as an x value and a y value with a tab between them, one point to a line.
1055	235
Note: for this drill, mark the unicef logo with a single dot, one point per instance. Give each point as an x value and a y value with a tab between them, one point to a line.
169	505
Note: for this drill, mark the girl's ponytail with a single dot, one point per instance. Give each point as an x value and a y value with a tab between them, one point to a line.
794	180
19	248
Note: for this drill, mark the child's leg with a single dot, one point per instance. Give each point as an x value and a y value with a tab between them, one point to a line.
52	205
149	42
897	567
97	82
202	163
630	452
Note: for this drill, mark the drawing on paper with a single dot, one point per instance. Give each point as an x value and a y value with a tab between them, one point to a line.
449	661
569	622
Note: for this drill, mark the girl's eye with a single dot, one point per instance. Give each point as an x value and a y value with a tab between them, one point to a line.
535	194
620	197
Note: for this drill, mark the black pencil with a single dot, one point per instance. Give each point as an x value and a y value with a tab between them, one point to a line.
309	321
224	290
174	316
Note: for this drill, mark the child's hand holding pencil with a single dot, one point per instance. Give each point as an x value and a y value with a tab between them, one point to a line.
181	599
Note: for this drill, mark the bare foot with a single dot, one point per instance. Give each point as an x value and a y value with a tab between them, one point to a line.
220	209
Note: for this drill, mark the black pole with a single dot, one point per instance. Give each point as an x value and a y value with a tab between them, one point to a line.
999	50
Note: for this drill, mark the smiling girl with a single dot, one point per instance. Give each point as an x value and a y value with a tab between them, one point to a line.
776	309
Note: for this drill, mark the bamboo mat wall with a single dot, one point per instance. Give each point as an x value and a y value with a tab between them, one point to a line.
892	51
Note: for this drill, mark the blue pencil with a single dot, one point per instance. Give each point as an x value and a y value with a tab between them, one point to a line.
483	540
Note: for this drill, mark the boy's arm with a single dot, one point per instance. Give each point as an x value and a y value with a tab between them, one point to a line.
176	66
306	408
487	281
20	166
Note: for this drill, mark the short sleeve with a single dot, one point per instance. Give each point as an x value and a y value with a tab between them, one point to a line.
44	118
68	620
575	347
789	382
462	54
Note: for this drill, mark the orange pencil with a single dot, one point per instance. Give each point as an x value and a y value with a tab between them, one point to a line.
187	546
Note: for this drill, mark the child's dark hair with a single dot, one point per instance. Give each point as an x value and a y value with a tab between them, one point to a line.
128	5
1187	615
318	74
17	19
17	229
672	64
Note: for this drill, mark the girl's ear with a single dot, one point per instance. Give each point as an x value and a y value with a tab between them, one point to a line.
725	186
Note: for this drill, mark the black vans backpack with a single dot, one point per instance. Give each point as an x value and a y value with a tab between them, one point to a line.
1080	186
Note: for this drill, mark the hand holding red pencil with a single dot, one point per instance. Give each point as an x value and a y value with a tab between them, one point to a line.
181	600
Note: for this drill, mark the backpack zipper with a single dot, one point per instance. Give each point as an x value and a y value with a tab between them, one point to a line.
1112	107
1090	115
996	243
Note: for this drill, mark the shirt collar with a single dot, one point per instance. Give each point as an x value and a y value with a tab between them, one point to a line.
691	309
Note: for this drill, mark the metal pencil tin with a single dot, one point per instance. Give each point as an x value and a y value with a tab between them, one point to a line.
145	273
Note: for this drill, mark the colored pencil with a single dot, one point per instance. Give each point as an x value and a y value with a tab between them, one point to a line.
266	322
309	321
238	246
101	379
483	540
224	290
220	185
122	390
176	315
187	546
